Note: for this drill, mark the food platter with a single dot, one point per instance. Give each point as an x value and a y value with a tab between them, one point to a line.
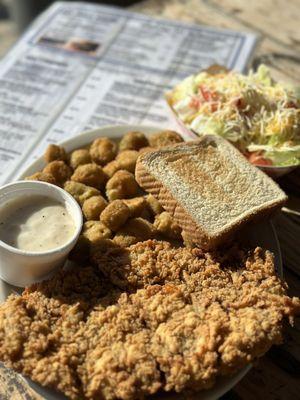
261	234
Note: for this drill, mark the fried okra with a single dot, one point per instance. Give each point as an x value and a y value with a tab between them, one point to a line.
102	246
85	249
89	174
79	157
133	141
136	206
81	251
93	207
95	230
153	205
165	224
111	168
124	239
55	153
115	215
42	177
127	160
135	230
122	185
187	240
103	150
146	149
80	192
59	170
146	215
165	138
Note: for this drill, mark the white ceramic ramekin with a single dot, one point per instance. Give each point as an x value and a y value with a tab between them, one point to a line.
22	268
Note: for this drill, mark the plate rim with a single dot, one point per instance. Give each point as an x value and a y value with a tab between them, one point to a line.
84	135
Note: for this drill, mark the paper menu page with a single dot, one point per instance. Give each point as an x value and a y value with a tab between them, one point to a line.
82	65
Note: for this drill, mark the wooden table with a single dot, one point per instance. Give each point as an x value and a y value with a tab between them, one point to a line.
277	375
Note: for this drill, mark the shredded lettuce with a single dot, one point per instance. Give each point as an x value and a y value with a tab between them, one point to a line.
206	126
280	156
263	75
285	157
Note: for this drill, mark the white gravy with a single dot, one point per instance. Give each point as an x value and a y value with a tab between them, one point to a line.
35	224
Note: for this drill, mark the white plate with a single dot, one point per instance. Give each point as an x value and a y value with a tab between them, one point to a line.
262	234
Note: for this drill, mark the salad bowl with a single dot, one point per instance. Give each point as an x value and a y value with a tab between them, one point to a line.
273	116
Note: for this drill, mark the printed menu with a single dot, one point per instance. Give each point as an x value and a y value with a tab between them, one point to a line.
80	66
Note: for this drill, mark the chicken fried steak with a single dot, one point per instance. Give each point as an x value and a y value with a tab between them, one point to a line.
146	318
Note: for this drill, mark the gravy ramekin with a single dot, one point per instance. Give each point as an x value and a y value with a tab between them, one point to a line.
20	267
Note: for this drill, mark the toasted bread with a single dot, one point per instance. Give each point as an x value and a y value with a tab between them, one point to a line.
209	187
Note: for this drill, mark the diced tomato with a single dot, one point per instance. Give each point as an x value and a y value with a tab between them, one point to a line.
195	103
256	158
214	107
207	94
239	102
291	104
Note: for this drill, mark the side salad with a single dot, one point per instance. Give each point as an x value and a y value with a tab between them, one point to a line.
260	116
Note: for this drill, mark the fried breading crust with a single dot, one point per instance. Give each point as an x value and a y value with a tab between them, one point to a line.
147	318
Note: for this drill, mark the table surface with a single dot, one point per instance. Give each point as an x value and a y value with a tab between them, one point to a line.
276	375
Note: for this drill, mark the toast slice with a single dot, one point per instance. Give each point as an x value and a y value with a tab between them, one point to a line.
209	188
